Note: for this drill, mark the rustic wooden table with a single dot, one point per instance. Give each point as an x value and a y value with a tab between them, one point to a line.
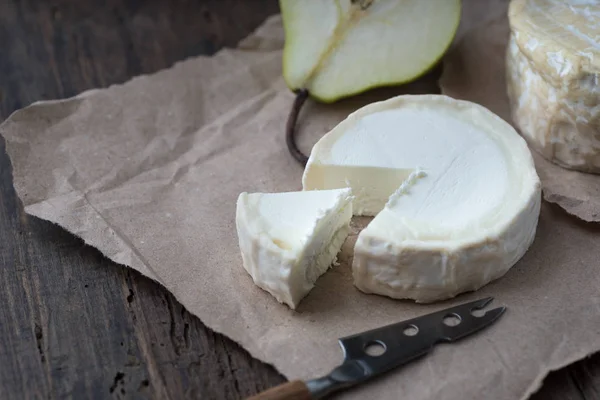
72	323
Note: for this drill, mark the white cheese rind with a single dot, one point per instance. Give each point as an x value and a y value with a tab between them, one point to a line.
467	210
426	273
553	79
287	240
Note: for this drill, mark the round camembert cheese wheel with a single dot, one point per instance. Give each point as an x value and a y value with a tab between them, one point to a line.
453	188
553	70
287	240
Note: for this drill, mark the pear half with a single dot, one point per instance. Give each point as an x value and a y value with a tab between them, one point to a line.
339	48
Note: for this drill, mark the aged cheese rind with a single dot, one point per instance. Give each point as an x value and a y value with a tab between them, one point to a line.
450	151
553	79
287	240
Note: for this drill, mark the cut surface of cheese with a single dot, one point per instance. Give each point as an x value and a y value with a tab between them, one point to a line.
453	187
287	240
553	79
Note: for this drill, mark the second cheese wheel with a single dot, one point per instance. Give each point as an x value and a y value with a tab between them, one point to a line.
553	74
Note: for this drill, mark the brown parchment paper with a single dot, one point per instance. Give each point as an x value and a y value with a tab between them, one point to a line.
474	69
149	172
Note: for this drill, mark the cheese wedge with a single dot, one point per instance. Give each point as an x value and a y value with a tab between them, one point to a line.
288	240
553	79
453	187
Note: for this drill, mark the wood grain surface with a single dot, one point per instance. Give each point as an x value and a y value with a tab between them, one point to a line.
72	323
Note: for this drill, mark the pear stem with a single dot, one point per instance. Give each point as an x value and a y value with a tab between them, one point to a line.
290	129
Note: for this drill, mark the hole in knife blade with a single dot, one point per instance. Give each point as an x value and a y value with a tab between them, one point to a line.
411	330
452	319
375	348
478	312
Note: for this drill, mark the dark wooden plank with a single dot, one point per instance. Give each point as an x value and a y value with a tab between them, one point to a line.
578	381
73	324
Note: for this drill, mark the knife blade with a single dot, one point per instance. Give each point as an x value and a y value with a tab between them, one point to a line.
398	344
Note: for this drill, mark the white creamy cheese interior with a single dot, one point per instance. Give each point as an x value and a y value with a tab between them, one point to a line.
288	240
459	211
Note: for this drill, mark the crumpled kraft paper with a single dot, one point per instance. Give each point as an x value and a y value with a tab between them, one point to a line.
149	172
474	69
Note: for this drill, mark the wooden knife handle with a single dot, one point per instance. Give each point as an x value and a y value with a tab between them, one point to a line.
295	390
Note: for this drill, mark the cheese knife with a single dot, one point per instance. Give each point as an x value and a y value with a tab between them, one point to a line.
372	353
